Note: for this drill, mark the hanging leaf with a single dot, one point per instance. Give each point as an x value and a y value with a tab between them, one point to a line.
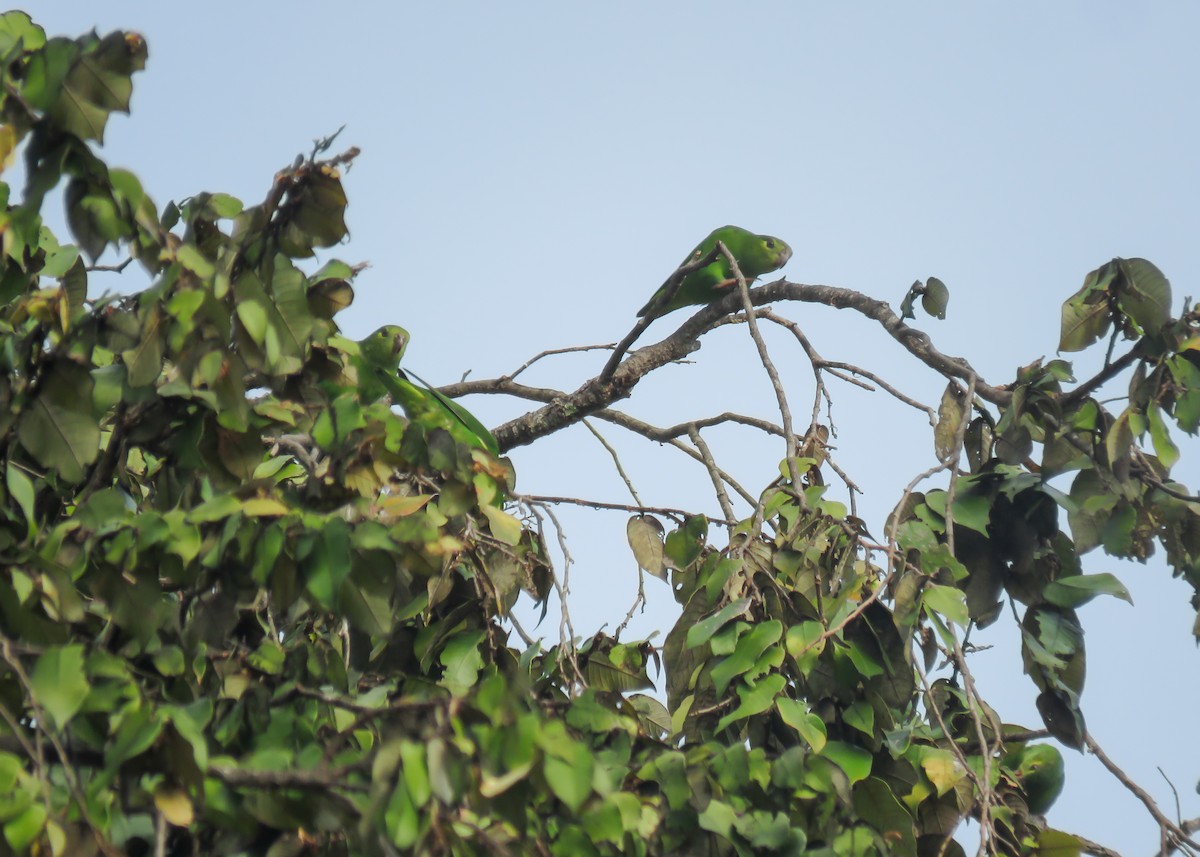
936	298
951	412
645	535
1144	294
1079	589
1086	314
58	427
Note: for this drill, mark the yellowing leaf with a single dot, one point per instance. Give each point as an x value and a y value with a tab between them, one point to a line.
943	769
503	525
645	535
175	805
264	507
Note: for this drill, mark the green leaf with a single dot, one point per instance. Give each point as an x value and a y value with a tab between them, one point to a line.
1056	843
415	771
59	683
17	28
144	360
137	731
190	721
1081	588
97	84
1144	294
879	806
1160	436
1086	314
504	526
749	647
59	259
47	70
191	258
809	726
973	511
329	562
401	819
861	716
267	658
684	545
21	488
603	674
703	630
754	700
854	761
225	207
169	661
948	601
718	817
462	662
804	643
24	828
58	427
936	298
569	774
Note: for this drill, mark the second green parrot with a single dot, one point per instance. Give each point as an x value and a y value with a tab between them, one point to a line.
379	372
755	254
1038	768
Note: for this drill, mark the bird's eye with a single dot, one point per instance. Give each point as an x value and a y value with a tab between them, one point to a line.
770	244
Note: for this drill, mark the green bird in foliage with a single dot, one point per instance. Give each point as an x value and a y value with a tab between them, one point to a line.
379	373
755	254
1038	768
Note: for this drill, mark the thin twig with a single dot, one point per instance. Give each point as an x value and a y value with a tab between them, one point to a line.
550	352
983	785
714	472
764	355
1171	831
952	459
112	269
566	629
837	367
616	461
640	600
678	515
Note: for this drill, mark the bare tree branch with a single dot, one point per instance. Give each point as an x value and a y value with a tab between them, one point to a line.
563	409
1173	835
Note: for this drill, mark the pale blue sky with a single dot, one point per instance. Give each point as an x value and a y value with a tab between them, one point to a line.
531	172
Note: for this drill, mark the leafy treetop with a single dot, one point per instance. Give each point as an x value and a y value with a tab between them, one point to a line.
246	607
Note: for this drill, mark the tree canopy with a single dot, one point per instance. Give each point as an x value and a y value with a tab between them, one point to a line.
248	607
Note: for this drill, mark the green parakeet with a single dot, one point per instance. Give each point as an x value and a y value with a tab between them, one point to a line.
755	254
379	372
1038	768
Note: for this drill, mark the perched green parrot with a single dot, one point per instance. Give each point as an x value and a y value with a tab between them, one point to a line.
379	372
1038	768
755	254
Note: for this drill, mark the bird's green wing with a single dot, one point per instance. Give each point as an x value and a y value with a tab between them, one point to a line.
755	255
379	374
463	425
